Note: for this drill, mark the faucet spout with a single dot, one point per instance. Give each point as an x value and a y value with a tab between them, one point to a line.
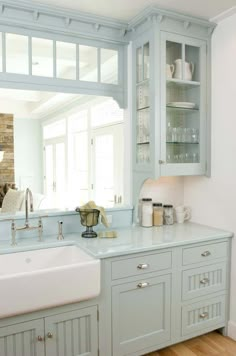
28	199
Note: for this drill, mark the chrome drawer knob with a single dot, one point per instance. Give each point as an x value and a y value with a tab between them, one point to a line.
204	281
143	284
204	315
40	338
49	335
161	161
143	266
206	254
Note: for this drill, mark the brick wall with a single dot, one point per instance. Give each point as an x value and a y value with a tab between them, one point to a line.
7	141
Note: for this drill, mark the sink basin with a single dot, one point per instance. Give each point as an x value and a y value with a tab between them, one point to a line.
44	278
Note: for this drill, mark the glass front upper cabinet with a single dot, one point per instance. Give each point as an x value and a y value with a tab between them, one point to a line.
143	104
183	105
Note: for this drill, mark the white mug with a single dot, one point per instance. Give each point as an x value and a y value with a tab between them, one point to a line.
182	213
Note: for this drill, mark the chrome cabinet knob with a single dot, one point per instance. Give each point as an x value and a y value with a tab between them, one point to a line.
40	338
206	254
143	266
143	284
204	315
161	161
204	281
49	335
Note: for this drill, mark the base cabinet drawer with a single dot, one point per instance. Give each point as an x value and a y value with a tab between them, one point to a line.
140	265
201	281
197	316
140	314
204	253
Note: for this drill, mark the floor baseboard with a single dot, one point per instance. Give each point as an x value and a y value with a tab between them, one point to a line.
232	330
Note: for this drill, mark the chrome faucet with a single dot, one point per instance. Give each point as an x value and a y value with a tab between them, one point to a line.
28	197
28	206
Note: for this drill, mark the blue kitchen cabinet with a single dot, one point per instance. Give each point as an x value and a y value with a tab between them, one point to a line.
71	333
141	314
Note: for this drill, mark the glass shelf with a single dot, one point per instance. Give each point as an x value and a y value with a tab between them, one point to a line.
180	82
143	108
182	143
143	143
179	109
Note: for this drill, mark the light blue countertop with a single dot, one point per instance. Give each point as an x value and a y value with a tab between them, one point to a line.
129	240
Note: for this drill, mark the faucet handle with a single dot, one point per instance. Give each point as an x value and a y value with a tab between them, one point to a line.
40	227
13	233
60	234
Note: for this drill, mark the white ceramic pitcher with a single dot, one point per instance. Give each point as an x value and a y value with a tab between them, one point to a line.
188	70
169	70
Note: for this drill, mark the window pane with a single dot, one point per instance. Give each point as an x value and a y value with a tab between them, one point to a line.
42	57
104	169
55	129
0	51
17	56
66	60
88	69
49	168
109	66
60	167
78	122
106	112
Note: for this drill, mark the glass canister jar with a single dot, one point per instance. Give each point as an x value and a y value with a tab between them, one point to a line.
157	214
147	212
168	214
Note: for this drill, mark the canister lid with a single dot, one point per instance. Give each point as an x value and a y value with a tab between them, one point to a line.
168	206
147	199
157	204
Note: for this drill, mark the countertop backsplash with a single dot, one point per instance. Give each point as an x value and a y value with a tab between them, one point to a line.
120	216
166	190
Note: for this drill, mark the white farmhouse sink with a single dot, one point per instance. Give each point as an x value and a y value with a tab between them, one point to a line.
44	278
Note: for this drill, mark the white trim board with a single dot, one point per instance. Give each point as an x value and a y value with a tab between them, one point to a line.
232	330
224	15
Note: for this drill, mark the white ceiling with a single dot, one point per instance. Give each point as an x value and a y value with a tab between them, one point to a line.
126	10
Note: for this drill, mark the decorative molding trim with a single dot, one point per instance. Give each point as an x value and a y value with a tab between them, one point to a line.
160	18
224	15
97	26
35	15
161	13
186	24
57	19
232	330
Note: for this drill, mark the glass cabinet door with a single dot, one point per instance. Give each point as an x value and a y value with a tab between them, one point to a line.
183	106
142	104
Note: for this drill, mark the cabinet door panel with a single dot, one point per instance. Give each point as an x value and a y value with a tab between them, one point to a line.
141	314
22	339
72	334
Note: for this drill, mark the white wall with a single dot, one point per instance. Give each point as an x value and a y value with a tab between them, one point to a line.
28	154
213	200
166	190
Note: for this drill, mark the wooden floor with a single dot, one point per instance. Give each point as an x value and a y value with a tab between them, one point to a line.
212	344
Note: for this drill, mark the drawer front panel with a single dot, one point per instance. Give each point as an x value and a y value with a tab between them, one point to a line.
141	265
201	281
204	253
198	316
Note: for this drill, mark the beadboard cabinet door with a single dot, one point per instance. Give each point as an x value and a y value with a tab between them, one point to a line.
74	333
23	339
140	314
